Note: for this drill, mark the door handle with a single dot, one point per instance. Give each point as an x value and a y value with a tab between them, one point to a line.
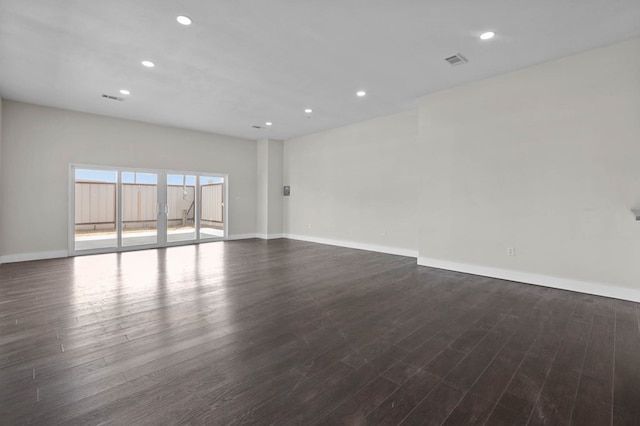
166	209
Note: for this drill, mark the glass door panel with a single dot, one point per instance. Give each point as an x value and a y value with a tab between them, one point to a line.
181	208
211	207
95	209
118	209
140	209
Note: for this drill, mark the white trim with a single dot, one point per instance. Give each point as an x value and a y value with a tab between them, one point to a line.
241	237
270	236
355	245
24	257
71	211
598	289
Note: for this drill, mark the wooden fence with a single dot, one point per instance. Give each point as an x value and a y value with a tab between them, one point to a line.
95	203
212	203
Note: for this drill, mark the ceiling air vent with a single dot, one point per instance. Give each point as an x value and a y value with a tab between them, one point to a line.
113	98
455	60
257	127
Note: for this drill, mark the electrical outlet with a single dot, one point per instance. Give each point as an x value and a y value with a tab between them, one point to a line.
309	226
511	251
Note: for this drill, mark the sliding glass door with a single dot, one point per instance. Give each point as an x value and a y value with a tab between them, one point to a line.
139	222
211	207
95	209
181	207
117	209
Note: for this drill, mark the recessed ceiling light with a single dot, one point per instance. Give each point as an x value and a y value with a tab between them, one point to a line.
488	35
361	93
148	64
308	110
125	92
268	123
184	20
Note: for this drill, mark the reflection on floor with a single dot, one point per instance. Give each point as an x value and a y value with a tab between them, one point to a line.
288	332
137	238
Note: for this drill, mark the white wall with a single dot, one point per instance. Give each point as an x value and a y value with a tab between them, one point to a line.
269	186
39	143
546	160
355	184
262	187
276	219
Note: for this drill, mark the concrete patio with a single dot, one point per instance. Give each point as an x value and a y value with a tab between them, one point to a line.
140	238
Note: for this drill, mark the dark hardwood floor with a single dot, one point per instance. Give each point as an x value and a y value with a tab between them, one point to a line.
288	332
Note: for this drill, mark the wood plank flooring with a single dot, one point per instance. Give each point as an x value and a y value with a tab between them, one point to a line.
287	332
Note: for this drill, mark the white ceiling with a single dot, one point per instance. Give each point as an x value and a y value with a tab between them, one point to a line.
245	62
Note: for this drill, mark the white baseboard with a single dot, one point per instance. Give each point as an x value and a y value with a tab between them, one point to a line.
355	245
25	257
241	237
597	289
270	236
